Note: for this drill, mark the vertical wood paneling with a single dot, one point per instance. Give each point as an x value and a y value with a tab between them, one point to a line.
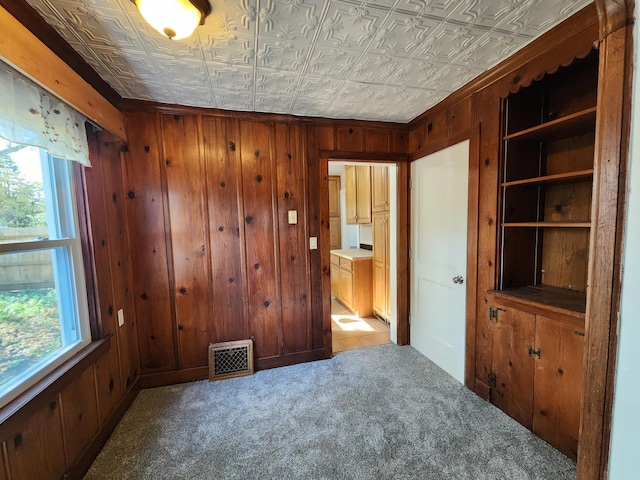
377	140
107	385
487	218
226	226
294	261
349	139
258	181
318	138
97	196
418	137
145	213
188	229
120	259
79	414
399	140
36	450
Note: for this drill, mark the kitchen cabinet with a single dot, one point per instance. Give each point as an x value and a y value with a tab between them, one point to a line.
351	280
358	194
335	228
379	188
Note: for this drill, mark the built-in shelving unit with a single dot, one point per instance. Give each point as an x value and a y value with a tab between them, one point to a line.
546	186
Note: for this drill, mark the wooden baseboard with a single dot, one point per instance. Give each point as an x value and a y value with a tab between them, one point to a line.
176	376
82	465
291	359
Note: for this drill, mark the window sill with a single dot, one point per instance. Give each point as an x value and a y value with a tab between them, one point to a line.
26	404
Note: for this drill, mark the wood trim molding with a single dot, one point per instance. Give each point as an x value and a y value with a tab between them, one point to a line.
31	19
34	59
613	15
603	304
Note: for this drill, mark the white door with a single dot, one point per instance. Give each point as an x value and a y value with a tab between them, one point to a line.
439	256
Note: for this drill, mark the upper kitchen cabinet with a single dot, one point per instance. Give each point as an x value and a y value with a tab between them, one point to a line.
358	194
379	188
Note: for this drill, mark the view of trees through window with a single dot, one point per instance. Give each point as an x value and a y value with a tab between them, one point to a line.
29	320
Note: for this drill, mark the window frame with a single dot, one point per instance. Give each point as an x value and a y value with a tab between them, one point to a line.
66	194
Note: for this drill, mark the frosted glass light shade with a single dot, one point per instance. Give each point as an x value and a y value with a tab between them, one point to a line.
174	18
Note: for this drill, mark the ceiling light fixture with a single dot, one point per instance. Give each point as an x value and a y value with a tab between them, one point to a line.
174	18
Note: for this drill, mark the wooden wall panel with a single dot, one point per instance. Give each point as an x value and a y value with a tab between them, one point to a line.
36	449
147	231
79	414
318	138
293	246
120	260
97	197
349	139
259	184
188	227
226	226
107	385
377	140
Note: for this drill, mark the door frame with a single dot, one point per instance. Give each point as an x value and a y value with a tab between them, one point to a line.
402	228
473	135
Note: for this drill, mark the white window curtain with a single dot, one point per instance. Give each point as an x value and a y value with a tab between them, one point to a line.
32	116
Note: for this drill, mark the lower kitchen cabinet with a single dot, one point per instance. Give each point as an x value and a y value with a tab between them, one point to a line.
536	372
351	283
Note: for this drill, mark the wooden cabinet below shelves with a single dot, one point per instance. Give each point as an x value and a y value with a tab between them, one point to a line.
351	283
381	265
536	369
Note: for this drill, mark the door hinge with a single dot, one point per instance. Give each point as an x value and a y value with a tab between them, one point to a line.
409	253
534	353
491	380
410	183
493	313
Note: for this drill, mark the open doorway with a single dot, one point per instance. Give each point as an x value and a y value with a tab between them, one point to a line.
363	231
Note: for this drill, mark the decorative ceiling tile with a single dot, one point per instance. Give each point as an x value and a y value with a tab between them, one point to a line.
370	59
402	33
350	26
296	20
335	62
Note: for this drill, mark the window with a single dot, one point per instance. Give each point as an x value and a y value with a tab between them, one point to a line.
43	305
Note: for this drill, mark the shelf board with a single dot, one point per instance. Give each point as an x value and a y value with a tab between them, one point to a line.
555	178
549	224
546	298
565	127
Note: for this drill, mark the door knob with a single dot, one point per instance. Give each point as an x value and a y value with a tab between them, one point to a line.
458	279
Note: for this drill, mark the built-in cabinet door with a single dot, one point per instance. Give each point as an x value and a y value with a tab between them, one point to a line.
346	287
363	192
379	189
512	389
335	276
335	233
558	383
351	202
334	195
380	254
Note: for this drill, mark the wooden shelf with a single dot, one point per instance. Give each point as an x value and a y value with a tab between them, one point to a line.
556	178
548	299
549	224
565	127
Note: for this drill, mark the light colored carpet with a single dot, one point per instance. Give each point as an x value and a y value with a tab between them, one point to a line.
383	412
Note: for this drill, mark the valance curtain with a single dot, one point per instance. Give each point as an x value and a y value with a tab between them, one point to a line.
32	116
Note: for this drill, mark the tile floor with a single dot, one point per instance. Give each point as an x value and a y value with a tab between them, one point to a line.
350	332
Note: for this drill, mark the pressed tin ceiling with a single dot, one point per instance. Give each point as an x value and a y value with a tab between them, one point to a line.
373	60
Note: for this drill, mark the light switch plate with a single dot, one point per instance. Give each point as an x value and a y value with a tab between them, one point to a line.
120	317
293	217
313	243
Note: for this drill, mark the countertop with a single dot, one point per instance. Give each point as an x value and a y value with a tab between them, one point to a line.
353	253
